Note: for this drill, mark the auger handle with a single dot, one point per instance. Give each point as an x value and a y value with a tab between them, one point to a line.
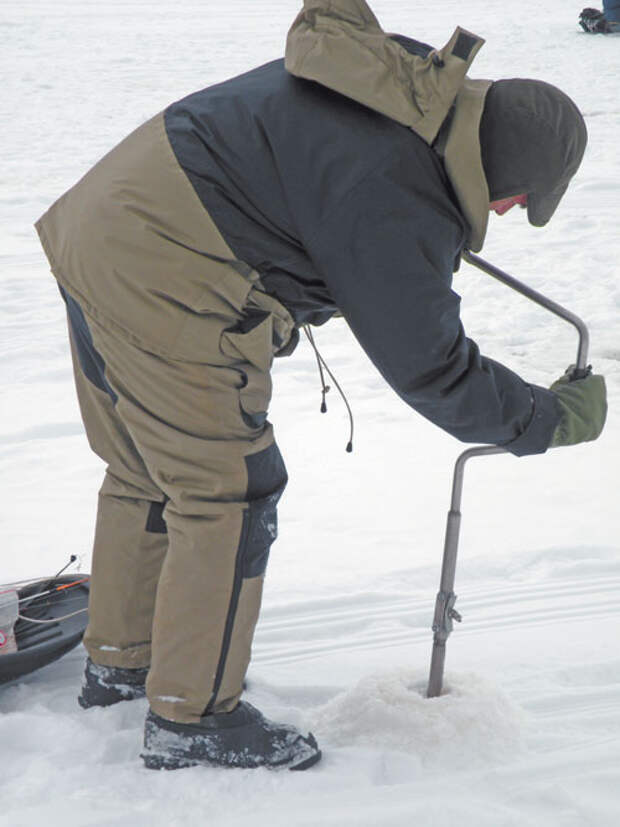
581	365
445	612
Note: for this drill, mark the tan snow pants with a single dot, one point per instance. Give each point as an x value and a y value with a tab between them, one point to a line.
176	405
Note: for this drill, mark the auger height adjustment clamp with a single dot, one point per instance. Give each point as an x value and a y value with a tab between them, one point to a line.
445	613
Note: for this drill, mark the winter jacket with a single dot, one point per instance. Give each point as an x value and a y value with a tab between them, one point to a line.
340	208
337	206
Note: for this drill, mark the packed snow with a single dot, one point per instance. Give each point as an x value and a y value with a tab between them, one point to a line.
528	730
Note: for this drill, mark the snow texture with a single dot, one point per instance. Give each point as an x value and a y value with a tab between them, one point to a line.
528	733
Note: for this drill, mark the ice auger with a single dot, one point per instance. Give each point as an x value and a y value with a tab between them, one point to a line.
445	613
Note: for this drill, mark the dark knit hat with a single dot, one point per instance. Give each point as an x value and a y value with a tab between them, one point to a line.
532	138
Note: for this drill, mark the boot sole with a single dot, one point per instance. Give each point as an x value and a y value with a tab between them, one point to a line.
161	762
153	761
309	762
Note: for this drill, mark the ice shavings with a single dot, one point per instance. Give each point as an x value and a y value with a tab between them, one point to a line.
473	723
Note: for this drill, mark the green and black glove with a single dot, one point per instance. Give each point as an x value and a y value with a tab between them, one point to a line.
584	407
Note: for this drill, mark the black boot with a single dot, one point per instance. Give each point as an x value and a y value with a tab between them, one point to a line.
242	738
594	21
107	685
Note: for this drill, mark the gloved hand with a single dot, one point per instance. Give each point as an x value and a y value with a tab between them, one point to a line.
584	407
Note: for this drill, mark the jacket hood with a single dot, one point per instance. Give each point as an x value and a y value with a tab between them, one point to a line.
341	45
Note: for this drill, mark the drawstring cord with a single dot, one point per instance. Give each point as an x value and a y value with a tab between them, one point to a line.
322	366
324	388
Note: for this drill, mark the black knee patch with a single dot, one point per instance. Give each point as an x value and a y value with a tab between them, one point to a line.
267	479
262	531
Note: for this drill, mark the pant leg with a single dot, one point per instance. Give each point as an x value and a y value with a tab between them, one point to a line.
611	9
202	433
130	540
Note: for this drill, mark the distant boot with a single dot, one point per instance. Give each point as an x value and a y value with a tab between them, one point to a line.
243	738
594	21
107	685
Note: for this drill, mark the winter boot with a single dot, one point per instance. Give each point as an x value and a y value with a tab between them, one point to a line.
107	685
594	21
242	738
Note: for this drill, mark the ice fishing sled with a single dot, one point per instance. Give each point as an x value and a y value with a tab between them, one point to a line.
40	621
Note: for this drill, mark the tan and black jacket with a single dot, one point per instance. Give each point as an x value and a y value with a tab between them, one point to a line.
339	206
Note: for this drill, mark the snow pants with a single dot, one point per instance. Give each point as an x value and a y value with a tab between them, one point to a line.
611	9
176	405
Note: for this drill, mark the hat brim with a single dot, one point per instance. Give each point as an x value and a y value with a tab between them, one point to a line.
540	208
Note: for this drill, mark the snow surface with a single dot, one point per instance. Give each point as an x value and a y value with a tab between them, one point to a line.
529	732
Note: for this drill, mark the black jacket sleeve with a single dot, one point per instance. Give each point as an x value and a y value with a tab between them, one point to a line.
386	252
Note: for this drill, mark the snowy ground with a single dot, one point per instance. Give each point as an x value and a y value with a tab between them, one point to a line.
529	733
